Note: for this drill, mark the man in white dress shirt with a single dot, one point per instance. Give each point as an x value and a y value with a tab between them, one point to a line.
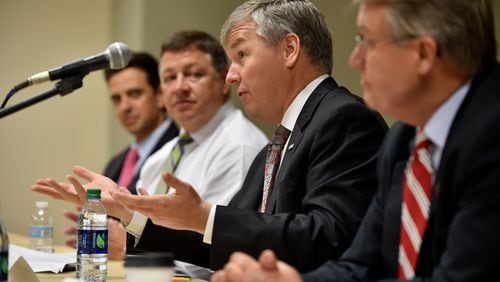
224	143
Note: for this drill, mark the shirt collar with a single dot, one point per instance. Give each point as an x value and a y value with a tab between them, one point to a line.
204	132
293	111
145	146
438	126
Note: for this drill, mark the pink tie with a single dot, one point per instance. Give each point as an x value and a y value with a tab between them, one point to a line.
128	168
417	192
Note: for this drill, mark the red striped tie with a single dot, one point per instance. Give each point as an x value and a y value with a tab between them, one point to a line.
415	207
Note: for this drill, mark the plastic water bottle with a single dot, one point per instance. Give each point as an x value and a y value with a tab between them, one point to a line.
41	228
4	254
92	246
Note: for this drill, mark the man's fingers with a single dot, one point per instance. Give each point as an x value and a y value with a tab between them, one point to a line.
142	191
85	173
70	243
49	191
63	189
124	189
233	270
70	231
133	201
268	260
71	215
174	182
242	260
81	193
219	276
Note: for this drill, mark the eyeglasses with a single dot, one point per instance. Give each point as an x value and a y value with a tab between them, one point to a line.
368	45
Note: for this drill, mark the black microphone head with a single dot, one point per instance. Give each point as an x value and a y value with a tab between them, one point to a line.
119	55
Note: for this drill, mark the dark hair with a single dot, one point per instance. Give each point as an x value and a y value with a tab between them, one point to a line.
197	40
142	61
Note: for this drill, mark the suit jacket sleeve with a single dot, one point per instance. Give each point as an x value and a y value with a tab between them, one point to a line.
325	186
362	261
185	245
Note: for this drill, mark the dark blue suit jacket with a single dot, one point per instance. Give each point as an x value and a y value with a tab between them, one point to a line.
462	238
324	186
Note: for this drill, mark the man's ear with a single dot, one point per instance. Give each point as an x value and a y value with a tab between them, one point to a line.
292	48
428	53
226	88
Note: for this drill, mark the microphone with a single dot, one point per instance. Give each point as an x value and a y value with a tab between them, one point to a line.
116	56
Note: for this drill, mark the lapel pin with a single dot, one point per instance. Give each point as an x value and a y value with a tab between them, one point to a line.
290	146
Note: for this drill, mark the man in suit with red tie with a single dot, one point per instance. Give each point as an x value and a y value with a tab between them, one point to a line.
431	64
138	104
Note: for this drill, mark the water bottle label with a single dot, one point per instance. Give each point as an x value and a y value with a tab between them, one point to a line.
92	242
4	266
40	231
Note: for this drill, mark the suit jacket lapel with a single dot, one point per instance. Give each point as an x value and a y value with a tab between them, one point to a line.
303	120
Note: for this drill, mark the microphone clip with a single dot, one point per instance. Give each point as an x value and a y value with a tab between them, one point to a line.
70	84
63	87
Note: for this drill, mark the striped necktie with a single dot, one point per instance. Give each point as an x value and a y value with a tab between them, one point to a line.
273	159
417	192
175	157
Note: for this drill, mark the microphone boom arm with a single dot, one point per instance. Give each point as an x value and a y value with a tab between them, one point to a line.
62	87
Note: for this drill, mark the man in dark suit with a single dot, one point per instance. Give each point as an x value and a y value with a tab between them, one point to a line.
138	103
281	56
432	65
137	100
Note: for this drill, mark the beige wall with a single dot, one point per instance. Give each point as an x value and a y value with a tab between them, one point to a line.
48	138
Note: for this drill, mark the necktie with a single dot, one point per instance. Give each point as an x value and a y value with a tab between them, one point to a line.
128	168
415	206
273	159
175	157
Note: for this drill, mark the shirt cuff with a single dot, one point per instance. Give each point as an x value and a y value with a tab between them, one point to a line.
207	237
136	225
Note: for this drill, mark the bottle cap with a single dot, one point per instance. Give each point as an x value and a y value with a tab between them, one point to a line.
93	193
41	204
150	260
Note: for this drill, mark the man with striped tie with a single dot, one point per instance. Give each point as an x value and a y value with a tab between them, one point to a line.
432	65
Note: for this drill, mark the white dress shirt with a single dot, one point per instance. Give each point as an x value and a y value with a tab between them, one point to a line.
438	126
146	146
215	164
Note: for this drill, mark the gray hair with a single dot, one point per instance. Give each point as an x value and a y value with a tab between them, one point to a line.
277	18
463	29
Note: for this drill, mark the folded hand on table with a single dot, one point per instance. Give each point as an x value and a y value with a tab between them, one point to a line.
242	267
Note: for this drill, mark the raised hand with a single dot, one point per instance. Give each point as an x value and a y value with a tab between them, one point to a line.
76	191
182	209
59	190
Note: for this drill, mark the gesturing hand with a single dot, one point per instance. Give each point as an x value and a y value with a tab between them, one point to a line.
182	209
